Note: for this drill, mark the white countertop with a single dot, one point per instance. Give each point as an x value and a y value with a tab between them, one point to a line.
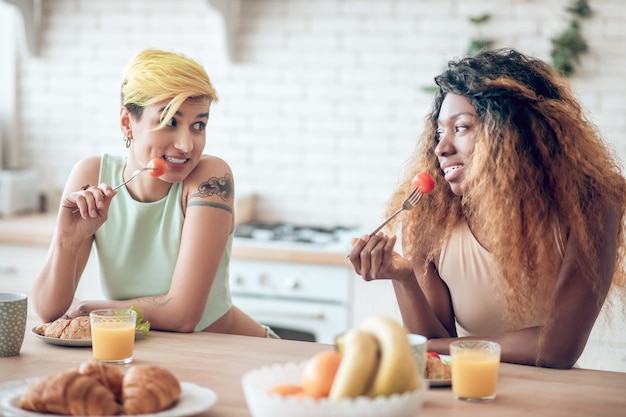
38	228
27	229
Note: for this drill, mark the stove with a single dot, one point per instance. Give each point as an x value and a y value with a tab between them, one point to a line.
281	235
301	301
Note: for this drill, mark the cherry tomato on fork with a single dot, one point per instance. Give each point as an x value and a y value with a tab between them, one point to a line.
433	355
425	181
156	167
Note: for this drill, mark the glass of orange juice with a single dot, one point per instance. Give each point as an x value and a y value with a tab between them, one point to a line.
113	335
474	367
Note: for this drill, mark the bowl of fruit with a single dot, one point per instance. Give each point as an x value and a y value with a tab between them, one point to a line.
370	371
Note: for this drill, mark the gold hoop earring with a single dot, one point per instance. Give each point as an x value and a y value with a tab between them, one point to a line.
127	141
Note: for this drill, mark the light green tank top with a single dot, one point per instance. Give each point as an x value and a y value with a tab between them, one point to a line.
138	246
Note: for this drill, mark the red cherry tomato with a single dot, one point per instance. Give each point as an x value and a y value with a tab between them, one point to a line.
425	181
433	355
156	167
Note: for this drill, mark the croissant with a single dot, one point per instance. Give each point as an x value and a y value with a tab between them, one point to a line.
54	329
78	328
62	328
70	393
107	375
149	389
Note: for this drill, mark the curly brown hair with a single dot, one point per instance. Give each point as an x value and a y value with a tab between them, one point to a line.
538	161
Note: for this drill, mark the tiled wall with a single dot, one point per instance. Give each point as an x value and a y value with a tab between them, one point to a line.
324	100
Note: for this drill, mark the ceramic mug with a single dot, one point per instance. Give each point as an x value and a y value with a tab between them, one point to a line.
418	346
13	314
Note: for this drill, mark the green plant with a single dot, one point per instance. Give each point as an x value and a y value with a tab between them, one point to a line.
479	43
569	45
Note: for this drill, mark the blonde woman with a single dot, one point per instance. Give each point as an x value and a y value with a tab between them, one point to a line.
163	243
523	236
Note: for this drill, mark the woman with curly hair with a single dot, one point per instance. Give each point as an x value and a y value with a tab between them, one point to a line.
523	236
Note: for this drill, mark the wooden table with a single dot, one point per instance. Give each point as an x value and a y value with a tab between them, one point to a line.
218	362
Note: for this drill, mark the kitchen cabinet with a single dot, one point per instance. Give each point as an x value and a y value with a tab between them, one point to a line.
229	10
20	264
322	283
300	301
373	298
30	11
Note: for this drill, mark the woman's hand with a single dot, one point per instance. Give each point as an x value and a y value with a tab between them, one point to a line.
84	211
77	309
84	307
373	258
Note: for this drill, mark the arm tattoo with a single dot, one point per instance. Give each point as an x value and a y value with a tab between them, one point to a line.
211	204
158	300
216	186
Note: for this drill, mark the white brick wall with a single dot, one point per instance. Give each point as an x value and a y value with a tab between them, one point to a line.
324	102
321	108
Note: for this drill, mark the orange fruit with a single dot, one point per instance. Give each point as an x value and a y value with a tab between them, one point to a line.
319	373
287	389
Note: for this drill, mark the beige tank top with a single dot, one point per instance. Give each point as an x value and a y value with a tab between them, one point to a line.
467	269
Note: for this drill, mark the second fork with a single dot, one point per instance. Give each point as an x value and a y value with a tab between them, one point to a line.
408	204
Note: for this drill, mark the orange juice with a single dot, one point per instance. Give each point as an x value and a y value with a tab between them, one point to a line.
475	370
113	343
113	335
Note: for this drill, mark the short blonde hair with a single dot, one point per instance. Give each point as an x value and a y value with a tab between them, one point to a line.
154	75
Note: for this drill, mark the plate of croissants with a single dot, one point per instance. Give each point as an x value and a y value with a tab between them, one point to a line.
98	389
65	331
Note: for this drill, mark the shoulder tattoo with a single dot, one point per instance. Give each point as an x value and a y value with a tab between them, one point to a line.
222	187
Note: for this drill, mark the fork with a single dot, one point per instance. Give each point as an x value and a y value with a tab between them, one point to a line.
133	175
409	203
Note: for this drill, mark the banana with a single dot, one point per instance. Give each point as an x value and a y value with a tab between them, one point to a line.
397	371
359	363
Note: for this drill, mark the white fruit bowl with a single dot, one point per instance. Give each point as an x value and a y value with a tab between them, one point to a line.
257	383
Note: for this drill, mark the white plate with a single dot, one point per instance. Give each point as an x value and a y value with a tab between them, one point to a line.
441	382
62	342
193	400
